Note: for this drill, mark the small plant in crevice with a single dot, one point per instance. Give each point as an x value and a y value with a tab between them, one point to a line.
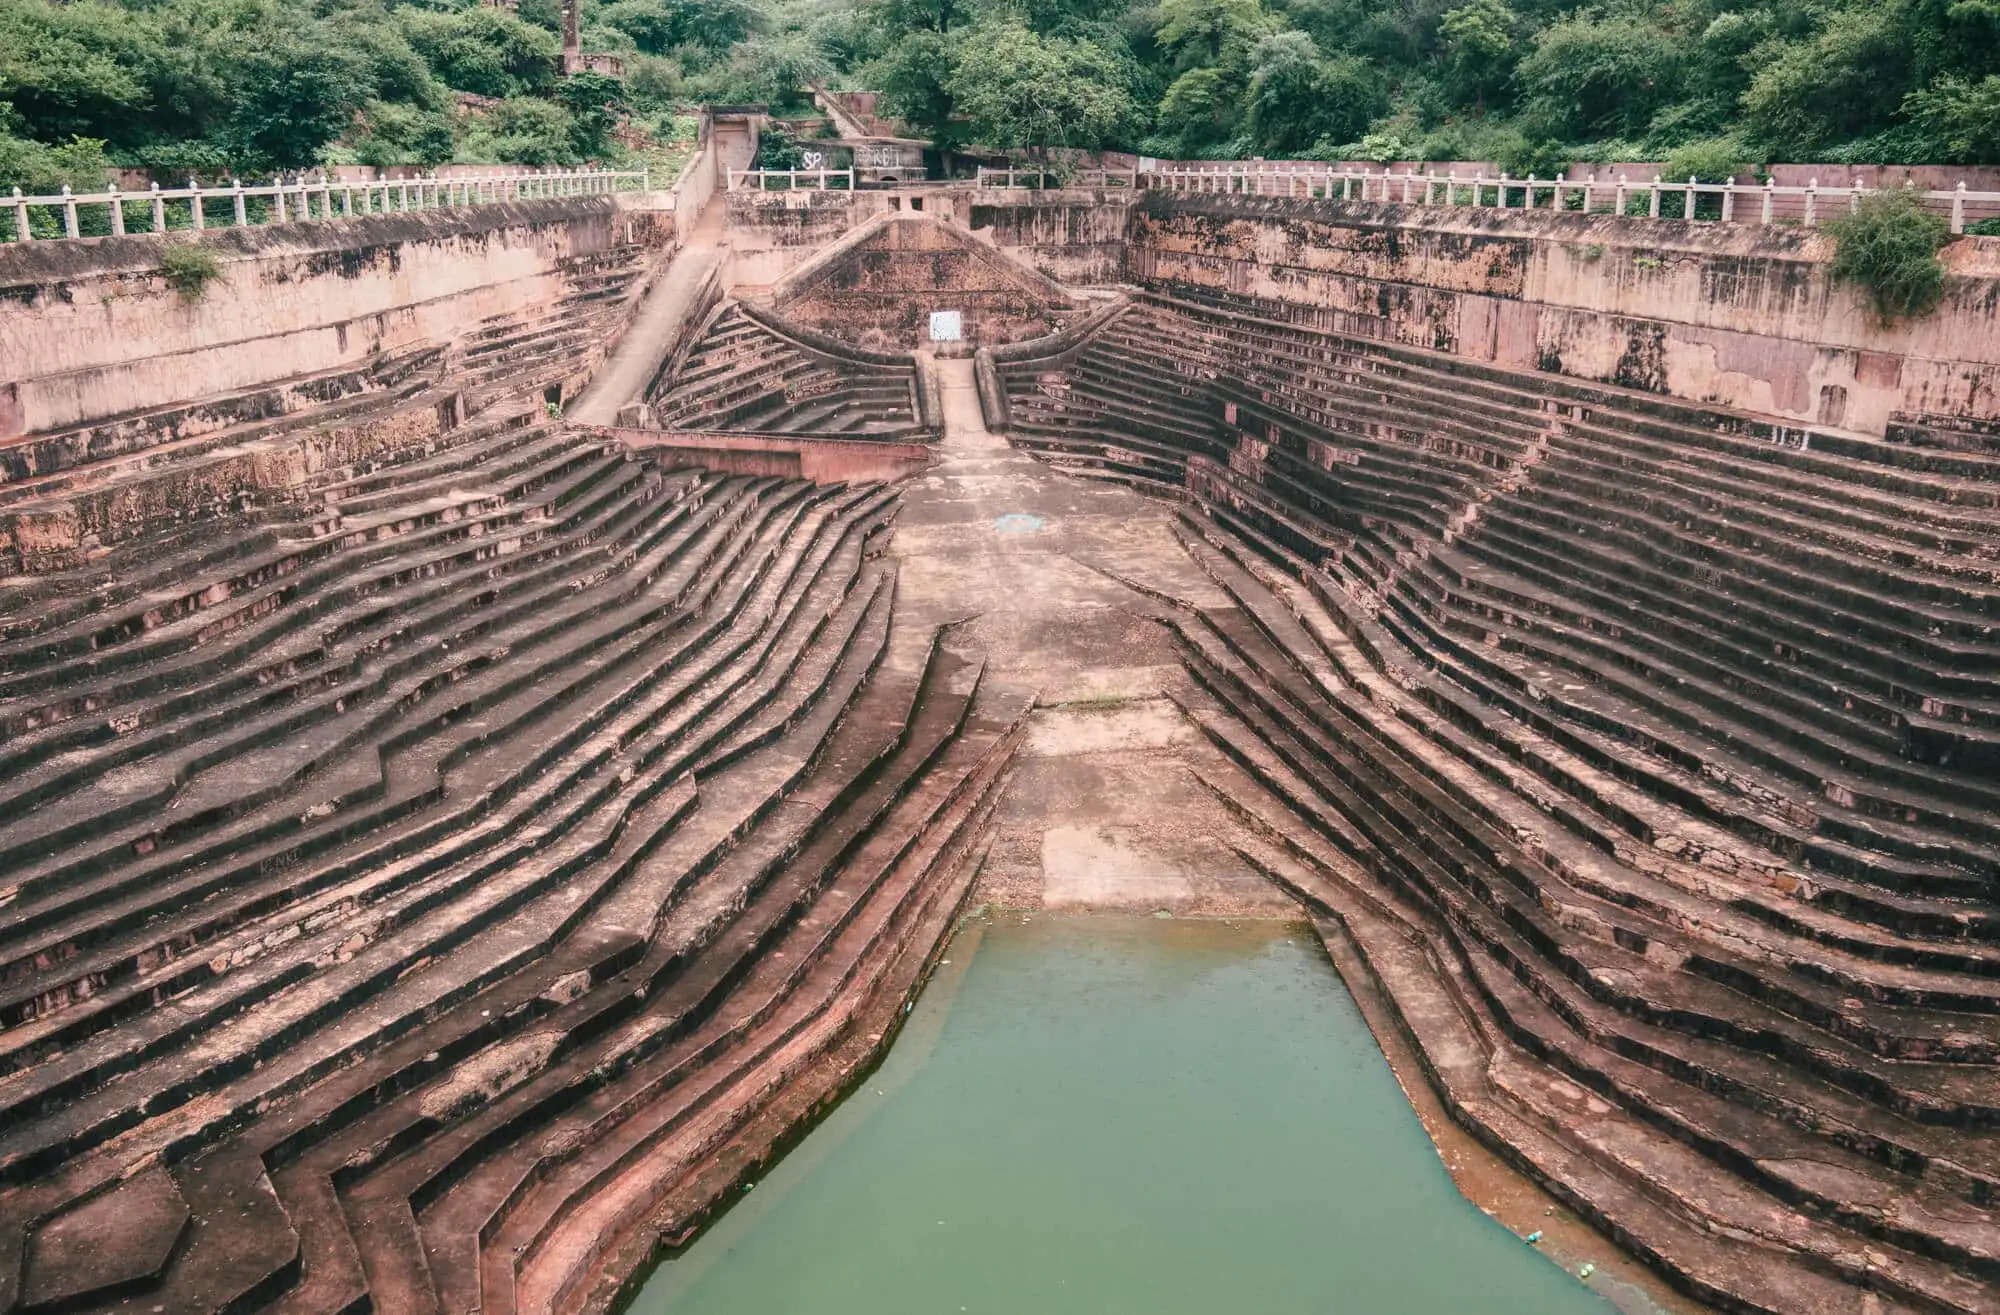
1889	246
189	268
1594	252
1647	262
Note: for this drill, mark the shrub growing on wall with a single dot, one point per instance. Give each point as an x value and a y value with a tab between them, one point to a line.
1889	246
189	268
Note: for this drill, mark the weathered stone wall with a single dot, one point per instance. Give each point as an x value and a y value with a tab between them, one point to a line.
1075	236
1734	315
92	329
879	287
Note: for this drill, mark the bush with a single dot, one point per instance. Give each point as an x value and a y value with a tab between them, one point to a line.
1714	160
652	82
39	169
595	104
189	268
1522	158
1380	147
484	50
1958	120
522	130
777	148
1889	246
399	134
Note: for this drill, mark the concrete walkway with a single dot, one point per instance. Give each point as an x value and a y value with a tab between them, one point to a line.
667	307
1102	812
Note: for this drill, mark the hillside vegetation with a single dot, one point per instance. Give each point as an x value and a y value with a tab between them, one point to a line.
204	86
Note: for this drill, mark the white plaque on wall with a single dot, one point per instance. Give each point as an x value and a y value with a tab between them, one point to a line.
947	325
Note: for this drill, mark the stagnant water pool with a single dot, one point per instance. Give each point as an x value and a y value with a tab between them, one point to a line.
1092	1114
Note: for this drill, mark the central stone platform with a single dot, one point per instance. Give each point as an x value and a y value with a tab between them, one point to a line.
1102	810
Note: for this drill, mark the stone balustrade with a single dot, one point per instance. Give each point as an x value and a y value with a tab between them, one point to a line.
304	197
1653	197
790	180
1041	179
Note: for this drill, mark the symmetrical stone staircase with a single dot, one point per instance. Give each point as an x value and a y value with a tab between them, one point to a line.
425	885
743	375
1644	757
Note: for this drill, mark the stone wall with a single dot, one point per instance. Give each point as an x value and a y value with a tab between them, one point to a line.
1076	236
1736	316
92	329
878	286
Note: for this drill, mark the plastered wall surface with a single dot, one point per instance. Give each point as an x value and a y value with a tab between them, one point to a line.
1074	236
1735	315
91	328
879	286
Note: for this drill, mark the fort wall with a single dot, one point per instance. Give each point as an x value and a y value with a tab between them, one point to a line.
1732	315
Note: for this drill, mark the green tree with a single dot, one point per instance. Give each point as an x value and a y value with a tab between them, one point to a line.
1210	45
778	149
595	103
404	134
1479	48
72	69
1018	89
1197	108
292	98
1298	97
1957	120
1847	78
774	70
40	169
659	26
1589	75
914	77
1212	33
484	50
523	130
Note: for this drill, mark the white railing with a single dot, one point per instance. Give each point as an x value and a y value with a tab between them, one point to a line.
295	200
790	180
1732	202
1047	178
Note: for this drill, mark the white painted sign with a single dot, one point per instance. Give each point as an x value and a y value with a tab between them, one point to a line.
947	325
813	160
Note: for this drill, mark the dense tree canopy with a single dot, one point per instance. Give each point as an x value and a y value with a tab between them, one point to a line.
256	85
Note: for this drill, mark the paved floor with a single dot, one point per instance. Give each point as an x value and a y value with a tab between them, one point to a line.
1102	812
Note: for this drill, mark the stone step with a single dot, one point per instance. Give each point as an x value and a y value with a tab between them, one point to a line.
457	926
344	897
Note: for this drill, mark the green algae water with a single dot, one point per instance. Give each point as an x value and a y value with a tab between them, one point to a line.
1105	1115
